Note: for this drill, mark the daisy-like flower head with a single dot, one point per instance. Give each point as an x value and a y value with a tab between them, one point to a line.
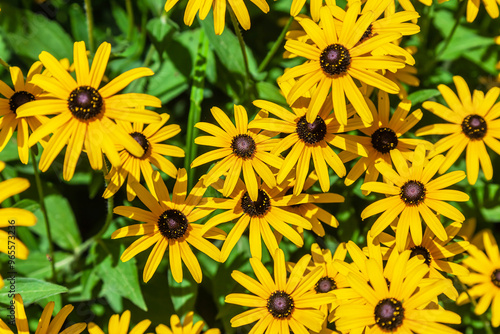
85	111
437	254
186	327
280	305
474	123
169	225
12	217
383	136
242	150
150	139
484	280
397	308
414	194
120	325
335	58
309	140
45	324
203	7
269	210
23	92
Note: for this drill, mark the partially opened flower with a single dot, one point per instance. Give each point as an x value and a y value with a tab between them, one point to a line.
238	7
241	150
484	280
413	195
334	59
23	92
150	139
474	125
281	305
120	325
85	113
169	225
46	325
188	326
13	217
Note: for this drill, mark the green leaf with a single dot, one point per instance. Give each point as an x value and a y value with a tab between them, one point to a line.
31	289
270	92
183	294
422	95
38	266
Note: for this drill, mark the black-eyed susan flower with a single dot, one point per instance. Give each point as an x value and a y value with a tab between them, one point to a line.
334	59
383	136
13	217
437	254
241	150
23	92
188	326
309	140
150	139
484	280
397	308
120	325
412	195
258	216
46	325
85	112
474	124
281	305
170	226
203	7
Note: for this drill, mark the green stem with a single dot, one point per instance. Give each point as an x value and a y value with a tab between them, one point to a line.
276	45
487	325
4	64
242	45
41	198
458	17
110	206
130	15
90	23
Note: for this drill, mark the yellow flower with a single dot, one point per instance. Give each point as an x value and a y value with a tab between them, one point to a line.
169	224
45	325
280	305
242	150
315	6
85	111
203	7
9	122
13	217
383	136
413	195
484	280
120	325
491	7
398	308
335	58
474	123
269	210
132	167
187	326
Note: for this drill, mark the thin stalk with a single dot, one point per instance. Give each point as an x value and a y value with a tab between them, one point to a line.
276	45
130	15
459	16
90	23
41	199
4	64
242	45
110	206
487	325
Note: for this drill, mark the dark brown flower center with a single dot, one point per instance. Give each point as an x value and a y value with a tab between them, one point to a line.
311	133
280	304
389	314
474	127
421	250
172	224
258	207
384	140
412	193
85	103
325	284
142	140
335	59
495	277
243	146
18	99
